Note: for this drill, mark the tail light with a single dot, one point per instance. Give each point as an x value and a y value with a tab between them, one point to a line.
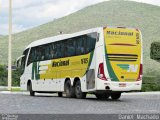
140	73
101	74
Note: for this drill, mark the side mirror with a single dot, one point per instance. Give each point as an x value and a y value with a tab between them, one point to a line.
17	64
18	61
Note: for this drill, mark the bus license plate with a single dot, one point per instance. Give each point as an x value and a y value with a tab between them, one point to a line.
122	84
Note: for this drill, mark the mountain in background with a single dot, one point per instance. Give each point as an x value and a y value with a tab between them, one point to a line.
112	13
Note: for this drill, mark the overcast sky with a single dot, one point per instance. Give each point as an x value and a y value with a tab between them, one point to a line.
30	13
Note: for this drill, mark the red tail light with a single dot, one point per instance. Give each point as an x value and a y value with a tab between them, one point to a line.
101	74
140	73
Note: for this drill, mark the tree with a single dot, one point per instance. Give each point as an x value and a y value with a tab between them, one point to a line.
4	75
155	51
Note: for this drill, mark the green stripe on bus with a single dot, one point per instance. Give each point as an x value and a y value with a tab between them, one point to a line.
35	71
121	65
90	61
109	67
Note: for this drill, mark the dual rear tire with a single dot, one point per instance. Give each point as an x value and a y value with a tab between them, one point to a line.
78	92
105	96
74	91
116	96
69	90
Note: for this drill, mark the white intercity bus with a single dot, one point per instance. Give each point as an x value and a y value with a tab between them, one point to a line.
104	61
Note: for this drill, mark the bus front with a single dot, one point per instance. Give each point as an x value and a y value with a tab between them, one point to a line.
123	59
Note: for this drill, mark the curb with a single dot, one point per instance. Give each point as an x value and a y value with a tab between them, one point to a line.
143	93
10	92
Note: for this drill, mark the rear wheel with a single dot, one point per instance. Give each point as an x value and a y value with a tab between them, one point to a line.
103	96
78	91
115	96
32	93
69	90
60	94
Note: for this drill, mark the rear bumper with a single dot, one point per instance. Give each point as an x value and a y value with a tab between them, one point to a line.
131	86
119	86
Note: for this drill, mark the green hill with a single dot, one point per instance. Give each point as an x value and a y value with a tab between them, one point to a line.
1	36
113	13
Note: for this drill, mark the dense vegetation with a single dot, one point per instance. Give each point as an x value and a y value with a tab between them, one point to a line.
153	83
3	76
155	51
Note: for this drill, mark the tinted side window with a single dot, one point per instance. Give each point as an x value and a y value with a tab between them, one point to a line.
40	53
53	51
23	60
57	50
64	48
47	49
80	45
71	47
90	42
25	53
32	56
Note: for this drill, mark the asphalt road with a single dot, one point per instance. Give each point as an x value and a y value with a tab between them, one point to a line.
51	104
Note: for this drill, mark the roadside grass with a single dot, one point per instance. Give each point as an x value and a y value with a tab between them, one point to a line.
151	83
16	89
150	87
13	89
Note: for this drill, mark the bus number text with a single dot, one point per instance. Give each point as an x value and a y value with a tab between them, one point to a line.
84	61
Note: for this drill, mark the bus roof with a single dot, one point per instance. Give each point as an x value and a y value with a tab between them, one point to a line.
61	37
66	36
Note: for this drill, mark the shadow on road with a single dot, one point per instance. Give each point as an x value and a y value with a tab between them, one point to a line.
88	98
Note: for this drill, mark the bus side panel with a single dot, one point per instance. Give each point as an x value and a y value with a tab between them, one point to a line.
100	58
36	72
88	81
25	77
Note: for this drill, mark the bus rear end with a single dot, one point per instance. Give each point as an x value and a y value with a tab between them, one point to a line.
122	67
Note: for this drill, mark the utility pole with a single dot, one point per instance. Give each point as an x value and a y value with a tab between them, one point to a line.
10	48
